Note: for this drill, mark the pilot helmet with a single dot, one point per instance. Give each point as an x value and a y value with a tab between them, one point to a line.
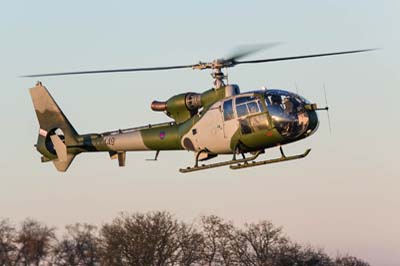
276	99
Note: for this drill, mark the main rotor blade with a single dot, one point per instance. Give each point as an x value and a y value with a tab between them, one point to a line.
246	50
300	57
201	65
108	71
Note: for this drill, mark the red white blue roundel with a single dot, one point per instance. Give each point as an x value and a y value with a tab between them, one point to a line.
162	134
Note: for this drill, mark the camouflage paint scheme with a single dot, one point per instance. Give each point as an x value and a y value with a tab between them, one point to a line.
182	134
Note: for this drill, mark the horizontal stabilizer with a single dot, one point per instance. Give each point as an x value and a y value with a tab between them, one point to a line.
62	166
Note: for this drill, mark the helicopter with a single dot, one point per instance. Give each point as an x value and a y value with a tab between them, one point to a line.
221	120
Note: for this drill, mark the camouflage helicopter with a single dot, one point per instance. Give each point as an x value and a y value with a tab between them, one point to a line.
221	120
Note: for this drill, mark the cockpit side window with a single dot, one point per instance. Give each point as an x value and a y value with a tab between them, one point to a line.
241	110
240	100
248	105
253	107
228	110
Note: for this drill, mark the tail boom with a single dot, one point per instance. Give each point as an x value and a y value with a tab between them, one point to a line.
59	142
153	137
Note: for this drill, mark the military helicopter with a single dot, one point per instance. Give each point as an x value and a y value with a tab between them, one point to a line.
220	120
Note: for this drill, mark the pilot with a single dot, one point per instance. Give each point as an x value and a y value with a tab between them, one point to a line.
276	108
289	106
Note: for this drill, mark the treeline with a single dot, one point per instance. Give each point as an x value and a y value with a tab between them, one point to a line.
157	238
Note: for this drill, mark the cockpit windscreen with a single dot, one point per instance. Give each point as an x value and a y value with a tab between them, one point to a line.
287	111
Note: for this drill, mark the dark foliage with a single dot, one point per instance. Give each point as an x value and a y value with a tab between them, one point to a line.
158	239
79	246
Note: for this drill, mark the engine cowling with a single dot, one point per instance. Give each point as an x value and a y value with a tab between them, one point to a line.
183	106
180	107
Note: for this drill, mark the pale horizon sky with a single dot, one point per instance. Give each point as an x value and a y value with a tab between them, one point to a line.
344	197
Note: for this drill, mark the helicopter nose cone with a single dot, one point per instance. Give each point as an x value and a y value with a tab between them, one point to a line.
313	123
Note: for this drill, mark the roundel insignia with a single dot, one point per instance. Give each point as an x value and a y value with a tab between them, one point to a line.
162	134
269	134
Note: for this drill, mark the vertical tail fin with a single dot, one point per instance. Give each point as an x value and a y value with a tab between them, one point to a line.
56	132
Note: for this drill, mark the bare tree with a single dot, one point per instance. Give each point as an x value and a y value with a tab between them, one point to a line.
79	247
7	243
314	257
218	236
350	261
259	244
139	239
157	239
33	241
191	245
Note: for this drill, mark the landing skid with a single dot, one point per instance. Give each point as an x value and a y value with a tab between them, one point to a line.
245	162
197	167
283	158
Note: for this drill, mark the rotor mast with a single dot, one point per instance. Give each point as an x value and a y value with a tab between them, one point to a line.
216	70
218	75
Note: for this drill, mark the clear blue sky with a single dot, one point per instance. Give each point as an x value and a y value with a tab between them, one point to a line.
344	197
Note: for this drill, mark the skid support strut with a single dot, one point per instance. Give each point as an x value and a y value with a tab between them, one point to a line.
283	158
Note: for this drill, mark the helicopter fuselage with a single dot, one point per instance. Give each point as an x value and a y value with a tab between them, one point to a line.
224	121
248	122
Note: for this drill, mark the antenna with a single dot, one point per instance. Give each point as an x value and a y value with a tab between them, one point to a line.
297	89
327	110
